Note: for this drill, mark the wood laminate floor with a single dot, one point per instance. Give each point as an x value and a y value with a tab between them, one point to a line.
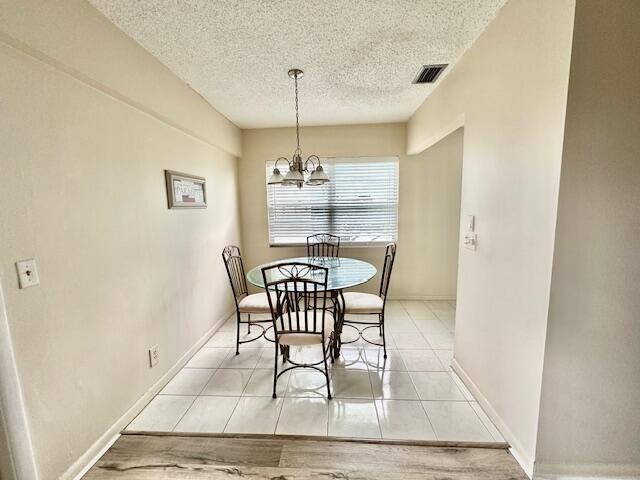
160	457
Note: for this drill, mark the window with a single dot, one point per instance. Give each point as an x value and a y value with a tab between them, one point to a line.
360	203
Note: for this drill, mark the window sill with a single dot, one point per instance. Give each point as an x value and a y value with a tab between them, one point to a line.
342	244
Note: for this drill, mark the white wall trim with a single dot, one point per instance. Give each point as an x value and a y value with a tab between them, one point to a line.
421	297
108	438
13	416
597	471
516	448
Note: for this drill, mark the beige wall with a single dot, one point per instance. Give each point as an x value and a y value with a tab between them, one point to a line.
509	91
81	164
78	39
590	410
429	201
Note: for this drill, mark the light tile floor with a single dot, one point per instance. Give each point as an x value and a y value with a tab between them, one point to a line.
413	395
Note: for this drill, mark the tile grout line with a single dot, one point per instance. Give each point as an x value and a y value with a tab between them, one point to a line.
284	395
185	412
422	406
411	378
450	373
195	397
483	423
375	405
275	427
239	396
413	321
437	316
226	424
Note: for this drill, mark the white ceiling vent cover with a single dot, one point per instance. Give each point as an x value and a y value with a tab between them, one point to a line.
430	73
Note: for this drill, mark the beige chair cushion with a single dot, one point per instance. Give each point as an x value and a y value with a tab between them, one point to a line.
356	302
255	303
300	339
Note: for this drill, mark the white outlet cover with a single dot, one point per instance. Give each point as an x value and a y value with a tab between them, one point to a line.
470	241
154	356
27	273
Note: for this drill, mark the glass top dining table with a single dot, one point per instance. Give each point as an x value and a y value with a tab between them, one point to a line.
343	272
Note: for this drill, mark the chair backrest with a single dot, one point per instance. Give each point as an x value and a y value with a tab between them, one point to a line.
323	245
235	269
389	257
298	297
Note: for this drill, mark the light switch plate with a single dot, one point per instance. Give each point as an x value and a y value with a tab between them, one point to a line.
471	223
27	273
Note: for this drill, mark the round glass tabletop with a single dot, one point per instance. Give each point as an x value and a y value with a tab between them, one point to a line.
342	272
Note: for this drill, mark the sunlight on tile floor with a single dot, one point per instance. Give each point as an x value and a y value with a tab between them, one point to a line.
413	395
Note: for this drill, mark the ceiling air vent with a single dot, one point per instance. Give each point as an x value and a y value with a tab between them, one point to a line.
430	73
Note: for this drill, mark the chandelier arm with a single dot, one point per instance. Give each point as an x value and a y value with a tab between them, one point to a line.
313	162
282	158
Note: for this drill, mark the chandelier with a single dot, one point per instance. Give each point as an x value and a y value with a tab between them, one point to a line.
297	169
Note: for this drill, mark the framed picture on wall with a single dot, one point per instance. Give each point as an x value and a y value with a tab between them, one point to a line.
185	191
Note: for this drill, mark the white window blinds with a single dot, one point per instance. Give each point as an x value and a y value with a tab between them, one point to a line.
360	203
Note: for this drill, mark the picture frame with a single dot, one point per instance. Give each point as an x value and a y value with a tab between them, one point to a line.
185	190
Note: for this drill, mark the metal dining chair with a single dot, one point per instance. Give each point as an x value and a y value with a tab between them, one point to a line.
323	245
357	303
246	303
301	313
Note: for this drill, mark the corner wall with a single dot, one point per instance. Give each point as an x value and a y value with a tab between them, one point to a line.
590	412
509	91
89	122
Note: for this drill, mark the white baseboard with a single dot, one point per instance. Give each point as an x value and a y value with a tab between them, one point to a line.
421	297
586	471
108	438
518	452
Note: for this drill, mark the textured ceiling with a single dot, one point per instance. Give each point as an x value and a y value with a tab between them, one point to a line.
359	56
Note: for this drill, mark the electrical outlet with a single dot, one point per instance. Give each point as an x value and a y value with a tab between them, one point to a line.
154	356
470	241
27	273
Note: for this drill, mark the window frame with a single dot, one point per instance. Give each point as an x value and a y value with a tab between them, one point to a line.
343	243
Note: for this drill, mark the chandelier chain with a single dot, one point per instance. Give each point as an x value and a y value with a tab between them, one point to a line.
297	118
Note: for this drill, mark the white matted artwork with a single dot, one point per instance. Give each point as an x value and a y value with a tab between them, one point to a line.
185	191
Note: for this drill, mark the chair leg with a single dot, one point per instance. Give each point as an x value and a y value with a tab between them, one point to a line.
331	347
238	333
384	341
249	323
326	368
337	336
275	370
286	353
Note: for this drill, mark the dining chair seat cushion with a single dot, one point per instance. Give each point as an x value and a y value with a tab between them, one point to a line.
356	302
255	303
301	339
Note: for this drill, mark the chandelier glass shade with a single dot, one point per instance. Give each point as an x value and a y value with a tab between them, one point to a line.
297	168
